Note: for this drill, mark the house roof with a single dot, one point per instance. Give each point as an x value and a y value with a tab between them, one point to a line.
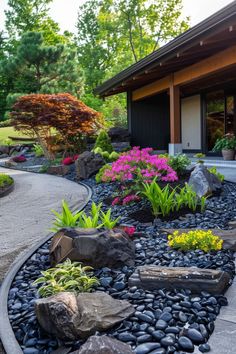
215	33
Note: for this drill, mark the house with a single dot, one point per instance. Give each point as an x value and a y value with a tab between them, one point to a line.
182	97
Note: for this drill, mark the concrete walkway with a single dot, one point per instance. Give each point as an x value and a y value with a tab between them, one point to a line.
25	214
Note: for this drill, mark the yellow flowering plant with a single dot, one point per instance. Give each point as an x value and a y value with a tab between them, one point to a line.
195	239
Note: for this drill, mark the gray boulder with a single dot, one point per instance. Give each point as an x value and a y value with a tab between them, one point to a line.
104	345
70	316
88	164
193	278
97	248
118	134
203	182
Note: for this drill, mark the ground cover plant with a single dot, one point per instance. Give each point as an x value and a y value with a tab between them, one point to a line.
67	276
5	180
203	240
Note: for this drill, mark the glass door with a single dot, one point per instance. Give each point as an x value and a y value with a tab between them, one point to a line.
215	118
230	115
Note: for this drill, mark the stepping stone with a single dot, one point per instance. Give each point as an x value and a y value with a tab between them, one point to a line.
229	236
195	279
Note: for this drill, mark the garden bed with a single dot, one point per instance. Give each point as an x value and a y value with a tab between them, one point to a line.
151	249
7	185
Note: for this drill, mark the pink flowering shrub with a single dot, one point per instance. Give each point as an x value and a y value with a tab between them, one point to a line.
139	164
130	199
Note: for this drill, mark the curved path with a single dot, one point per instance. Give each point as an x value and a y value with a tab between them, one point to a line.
25	214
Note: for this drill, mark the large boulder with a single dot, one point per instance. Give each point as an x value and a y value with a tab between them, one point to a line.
88	164
70	316
104	345
118	134
195	279
97	248
203	182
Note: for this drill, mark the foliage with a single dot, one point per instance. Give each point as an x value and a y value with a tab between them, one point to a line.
38	67
7	141
179	163
107	221
108	157
167	199
200	156
41	115
101	172
66	218
113	34
67	276
5	123
96	219
162	200
227	142
216	173
204	240
5	180
139	164
103	142
38	150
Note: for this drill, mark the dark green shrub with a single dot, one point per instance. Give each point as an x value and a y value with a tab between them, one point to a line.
179	163
103	141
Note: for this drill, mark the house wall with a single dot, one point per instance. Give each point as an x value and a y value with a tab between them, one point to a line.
191	122
149	121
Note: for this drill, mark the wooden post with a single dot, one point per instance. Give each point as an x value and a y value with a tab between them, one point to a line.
175	124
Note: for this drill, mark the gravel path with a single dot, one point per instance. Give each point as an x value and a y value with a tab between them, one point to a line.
25	215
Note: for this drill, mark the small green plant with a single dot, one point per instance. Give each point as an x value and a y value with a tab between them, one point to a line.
66	218
179	163
197	239
7	142
67	276
100	173
96	219
216	173
200	156
38	150
5	180
103	141
166	200
161	200
107	221
227	142
92	221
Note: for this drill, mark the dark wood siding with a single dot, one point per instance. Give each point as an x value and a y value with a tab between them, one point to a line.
150	122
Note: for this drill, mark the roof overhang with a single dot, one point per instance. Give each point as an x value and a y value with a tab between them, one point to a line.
210	36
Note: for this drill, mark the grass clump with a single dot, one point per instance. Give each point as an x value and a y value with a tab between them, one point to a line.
5	180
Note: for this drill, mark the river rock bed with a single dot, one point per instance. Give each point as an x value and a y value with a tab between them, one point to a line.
164	322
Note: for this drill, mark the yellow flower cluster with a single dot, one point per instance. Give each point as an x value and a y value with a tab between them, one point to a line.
195	239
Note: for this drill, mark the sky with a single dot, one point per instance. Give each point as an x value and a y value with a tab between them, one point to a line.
65	11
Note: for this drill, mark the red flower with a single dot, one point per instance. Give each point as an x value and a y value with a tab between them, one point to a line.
20	158
130	230
68	161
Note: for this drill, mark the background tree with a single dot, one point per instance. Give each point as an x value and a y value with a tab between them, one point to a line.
32	15
41	115
37	67
113	34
